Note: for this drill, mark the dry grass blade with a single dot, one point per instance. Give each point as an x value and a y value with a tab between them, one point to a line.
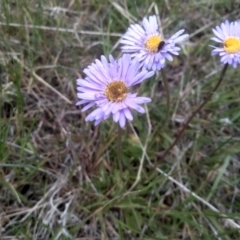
42	81
66	30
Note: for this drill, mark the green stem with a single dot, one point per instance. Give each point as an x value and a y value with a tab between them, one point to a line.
197	110
166	86
119	149
165	83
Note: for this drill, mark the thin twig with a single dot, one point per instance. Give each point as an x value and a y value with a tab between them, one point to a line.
197	111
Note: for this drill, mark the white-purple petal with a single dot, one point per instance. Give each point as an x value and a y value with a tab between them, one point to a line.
86	96
141	100
122	119
128	114
116	116
89	105
82	102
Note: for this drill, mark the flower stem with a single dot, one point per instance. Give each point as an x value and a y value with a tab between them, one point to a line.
166	86
165	83
119	149
197	110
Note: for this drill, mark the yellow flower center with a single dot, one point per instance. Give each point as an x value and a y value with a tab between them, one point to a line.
232	45
116	91
152	43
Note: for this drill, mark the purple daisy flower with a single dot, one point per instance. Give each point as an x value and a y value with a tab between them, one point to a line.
106	86
228	35
146	43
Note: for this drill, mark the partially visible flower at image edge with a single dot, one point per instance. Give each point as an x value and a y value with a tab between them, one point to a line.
228	35
106	86
148	45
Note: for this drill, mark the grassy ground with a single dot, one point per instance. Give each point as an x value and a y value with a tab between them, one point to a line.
59	176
